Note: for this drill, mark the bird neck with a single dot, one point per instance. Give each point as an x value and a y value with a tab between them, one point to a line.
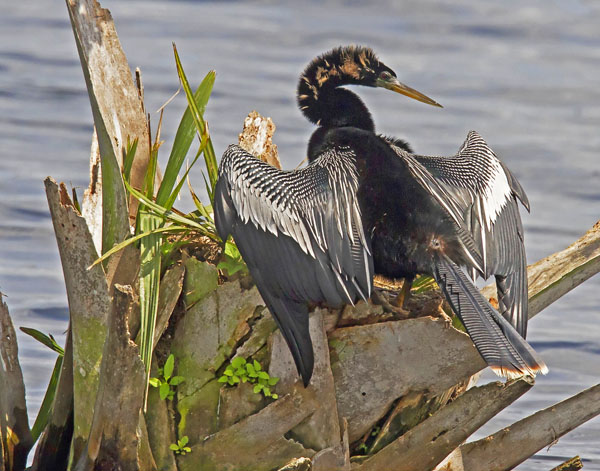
330	106
335	108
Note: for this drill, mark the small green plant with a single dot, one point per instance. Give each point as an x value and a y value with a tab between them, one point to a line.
244	371
232	260
165	382
180	447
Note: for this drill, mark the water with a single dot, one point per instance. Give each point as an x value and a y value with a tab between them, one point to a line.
525	77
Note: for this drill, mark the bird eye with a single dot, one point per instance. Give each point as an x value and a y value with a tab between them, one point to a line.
385	75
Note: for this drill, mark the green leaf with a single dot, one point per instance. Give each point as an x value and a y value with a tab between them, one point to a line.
47	340
183	139
184	440
222	379
169	366
129	156
273	381
235	379
154	382
176	380
46	408
173	447
169	229
238	362
209	153
164	390
187	449
257	388
149	285
250	369
263	375
228	371
257	366
266	391
170	215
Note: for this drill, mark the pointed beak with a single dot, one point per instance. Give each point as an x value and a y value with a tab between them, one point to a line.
398	87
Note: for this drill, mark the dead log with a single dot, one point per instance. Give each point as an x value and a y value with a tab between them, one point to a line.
256	443
427	444
15	435
114	444
554	276
573	464
89	305
514	444
119	117
422	354
257	138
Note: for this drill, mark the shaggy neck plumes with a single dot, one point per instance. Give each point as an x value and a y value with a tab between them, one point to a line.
325	104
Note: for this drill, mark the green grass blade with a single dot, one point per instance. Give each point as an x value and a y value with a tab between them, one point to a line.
209	152
183	139
168	214
149	284
128	159
43	338
46	408
173	196
171	229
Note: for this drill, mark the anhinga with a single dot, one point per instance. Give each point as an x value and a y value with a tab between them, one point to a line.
478	190
314	234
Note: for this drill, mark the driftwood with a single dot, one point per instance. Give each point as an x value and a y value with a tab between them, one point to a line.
573	464
554	276
119	117
514	444
15	436
426	445
113	441
89	304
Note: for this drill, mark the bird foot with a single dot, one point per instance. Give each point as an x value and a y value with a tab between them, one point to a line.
379	297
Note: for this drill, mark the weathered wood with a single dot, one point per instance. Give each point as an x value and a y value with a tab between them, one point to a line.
256	443
118	117
89	305
52	451
413	355
573	464
114	444
427	444
322	429
514	444
15	434
554	276
257	138
91	203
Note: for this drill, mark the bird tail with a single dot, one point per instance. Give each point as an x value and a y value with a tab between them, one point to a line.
292	319
500	345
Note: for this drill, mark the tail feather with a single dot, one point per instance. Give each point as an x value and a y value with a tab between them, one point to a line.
500	345
292	319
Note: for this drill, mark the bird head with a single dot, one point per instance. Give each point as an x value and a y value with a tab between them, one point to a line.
351	65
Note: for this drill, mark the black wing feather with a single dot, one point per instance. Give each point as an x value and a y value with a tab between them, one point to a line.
301	235
486	193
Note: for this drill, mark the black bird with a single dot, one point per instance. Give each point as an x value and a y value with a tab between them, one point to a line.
306	234
478	191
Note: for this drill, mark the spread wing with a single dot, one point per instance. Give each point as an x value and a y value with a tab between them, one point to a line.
300	234
484	194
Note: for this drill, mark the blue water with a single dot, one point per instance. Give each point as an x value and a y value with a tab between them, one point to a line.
523	74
